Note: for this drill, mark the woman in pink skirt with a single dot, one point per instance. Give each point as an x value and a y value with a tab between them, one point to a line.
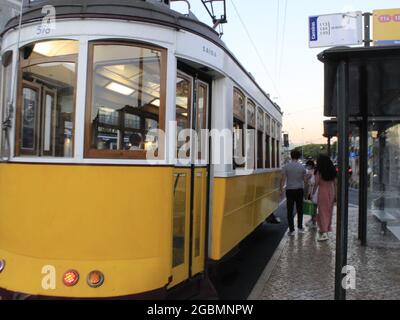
325	182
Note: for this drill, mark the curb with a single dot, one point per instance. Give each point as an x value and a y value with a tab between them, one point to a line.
269	268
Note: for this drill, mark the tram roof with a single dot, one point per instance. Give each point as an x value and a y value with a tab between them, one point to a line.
135	10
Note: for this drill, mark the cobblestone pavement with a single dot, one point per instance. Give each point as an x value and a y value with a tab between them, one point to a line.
305	268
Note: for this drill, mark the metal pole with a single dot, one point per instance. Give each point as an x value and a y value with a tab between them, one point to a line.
367	29
363	168
363	185
343	179
329	147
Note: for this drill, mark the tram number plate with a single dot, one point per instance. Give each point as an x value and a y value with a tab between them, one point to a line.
43	30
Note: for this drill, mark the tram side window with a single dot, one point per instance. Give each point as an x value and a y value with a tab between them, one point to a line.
260	136
267	142
251	135
46	103
273	144
278	146
6	92
278	155
273	164
183	103
126	100
239	117
201	119
267	152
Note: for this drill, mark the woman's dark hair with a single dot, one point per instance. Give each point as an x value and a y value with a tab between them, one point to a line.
326	168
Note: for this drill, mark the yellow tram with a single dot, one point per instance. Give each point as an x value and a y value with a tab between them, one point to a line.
84	213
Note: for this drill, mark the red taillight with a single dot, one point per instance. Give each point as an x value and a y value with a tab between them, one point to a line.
95	279
71	278
2	265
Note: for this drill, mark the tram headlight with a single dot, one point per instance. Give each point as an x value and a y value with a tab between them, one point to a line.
95	279
2	264
71	278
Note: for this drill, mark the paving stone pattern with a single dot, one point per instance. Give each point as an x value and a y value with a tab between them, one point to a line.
305	269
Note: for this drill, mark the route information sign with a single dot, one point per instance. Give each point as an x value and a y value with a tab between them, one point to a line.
335	30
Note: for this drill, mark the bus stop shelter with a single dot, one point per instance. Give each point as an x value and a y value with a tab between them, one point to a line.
362	88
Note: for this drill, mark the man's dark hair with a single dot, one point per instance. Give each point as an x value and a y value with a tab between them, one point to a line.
310	163
135	139
295	155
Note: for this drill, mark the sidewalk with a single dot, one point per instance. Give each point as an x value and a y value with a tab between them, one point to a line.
303	268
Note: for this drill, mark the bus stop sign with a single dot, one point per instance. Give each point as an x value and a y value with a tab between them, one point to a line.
335	30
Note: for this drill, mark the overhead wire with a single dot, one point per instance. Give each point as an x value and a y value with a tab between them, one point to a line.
289	120
282	54
255	49
277	37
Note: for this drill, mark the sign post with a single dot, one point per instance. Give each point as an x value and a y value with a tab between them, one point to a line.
335	30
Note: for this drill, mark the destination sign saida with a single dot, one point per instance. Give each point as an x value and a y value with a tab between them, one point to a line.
335	29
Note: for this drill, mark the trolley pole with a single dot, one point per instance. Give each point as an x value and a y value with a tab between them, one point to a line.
343	182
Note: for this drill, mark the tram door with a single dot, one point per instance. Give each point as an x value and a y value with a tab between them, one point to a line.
190	178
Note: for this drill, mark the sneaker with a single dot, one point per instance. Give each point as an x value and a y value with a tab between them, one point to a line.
290	233
301	231
323	237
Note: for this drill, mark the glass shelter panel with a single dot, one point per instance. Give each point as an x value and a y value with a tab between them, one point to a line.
384	180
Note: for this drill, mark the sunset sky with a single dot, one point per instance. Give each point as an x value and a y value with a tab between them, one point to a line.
297	75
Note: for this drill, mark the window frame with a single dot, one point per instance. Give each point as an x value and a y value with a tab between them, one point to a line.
190	80
253	140
26	63
241	120
91	153
204	123
250	102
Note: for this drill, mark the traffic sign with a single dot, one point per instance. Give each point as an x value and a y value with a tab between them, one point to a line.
335	30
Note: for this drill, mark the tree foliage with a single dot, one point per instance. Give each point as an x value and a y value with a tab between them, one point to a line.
313	150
